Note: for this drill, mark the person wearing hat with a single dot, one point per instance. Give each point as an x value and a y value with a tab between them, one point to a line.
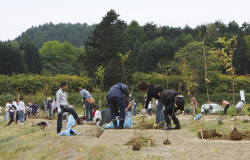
173	102
115	101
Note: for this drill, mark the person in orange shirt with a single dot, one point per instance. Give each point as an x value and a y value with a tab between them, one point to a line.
226	105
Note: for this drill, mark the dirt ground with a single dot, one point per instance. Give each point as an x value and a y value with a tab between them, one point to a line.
111	144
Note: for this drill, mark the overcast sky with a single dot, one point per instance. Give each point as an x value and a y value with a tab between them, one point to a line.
17	16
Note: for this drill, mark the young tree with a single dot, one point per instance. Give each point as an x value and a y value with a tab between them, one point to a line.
225	55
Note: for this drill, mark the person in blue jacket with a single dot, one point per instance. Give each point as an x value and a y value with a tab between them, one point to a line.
115	101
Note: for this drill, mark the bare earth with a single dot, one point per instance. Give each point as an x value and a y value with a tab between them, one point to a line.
110	145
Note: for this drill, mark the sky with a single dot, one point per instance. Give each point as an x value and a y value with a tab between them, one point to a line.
17	16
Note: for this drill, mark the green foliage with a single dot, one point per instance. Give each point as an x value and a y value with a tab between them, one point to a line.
100	73
4	98
31	84
77	34
59	58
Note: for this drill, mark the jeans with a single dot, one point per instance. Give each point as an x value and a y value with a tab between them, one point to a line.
89	108
134	111
60	116
128	114
225	109
150	111
21	116
115	105
159	114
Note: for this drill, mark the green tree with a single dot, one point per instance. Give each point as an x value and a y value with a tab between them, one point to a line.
106	41
31	55
59	58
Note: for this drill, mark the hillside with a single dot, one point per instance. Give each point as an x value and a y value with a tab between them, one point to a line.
77	34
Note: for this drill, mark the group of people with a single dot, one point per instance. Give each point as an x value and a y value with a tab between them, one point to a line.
14	110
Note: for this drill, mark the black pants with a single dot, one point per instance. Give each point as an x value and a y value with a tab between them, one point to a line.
17	116
171	109
226	108
11	118
60	116
115	105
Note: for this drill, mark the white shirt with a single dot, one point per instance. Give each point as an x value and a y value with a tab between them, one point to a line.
97	115
21	106
239	105
156	102
150	105
0	109
7	107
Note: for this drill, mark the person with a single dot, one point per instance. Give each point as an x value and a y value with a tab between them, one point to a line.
69	128
134	108
16	110
88	100
12	109
63	106
159	115
194	105
21	107
150	109
226	106
7	107
152	92
115	101
106	116
0	110
49	106
34	108
27	112
97	116
239	106
128	106
173	102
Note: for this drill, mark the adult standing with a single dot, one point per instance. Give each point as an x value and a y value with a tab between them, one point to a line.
21	107
194	105
226	106
63	106
159	115
88	101
12	109
134	108
173	102
115	101
7	107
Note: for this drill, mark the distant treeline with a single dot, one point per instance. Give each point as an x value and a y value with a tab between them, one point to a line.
79	49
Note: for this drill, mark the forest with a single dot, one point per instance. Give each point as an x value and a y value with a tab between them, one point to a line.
93	51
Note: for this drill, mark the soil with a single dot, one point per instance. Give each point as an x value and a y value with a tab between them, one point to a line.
207	134
235	135
136	147
143	126
166	142
142	141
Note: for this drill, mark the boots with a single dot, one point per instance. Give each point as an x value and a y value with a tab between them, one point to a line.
121	123
168	127
177	126
114	123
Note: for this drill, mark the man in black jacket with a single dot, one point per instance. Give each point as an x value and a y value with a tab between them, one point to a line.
115	101
173	102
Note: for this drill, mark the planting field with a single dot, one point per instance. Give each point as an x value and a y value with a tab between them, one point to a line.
31	142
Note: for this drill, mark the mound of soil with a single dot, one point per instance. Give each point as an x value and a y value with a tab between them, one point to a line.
90	123
136	147
142	141
209	134
143	126
166	142
235	135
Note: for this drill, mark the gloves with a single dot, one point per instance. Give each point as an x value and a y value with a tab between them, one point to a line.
59	110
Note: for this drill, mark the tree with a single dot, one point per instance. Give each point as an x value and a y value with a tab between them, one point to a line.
31	55
59	58
106	41
225	55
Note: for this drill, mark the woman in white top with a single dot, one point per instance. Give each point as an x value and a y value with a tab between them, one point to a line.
21	107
